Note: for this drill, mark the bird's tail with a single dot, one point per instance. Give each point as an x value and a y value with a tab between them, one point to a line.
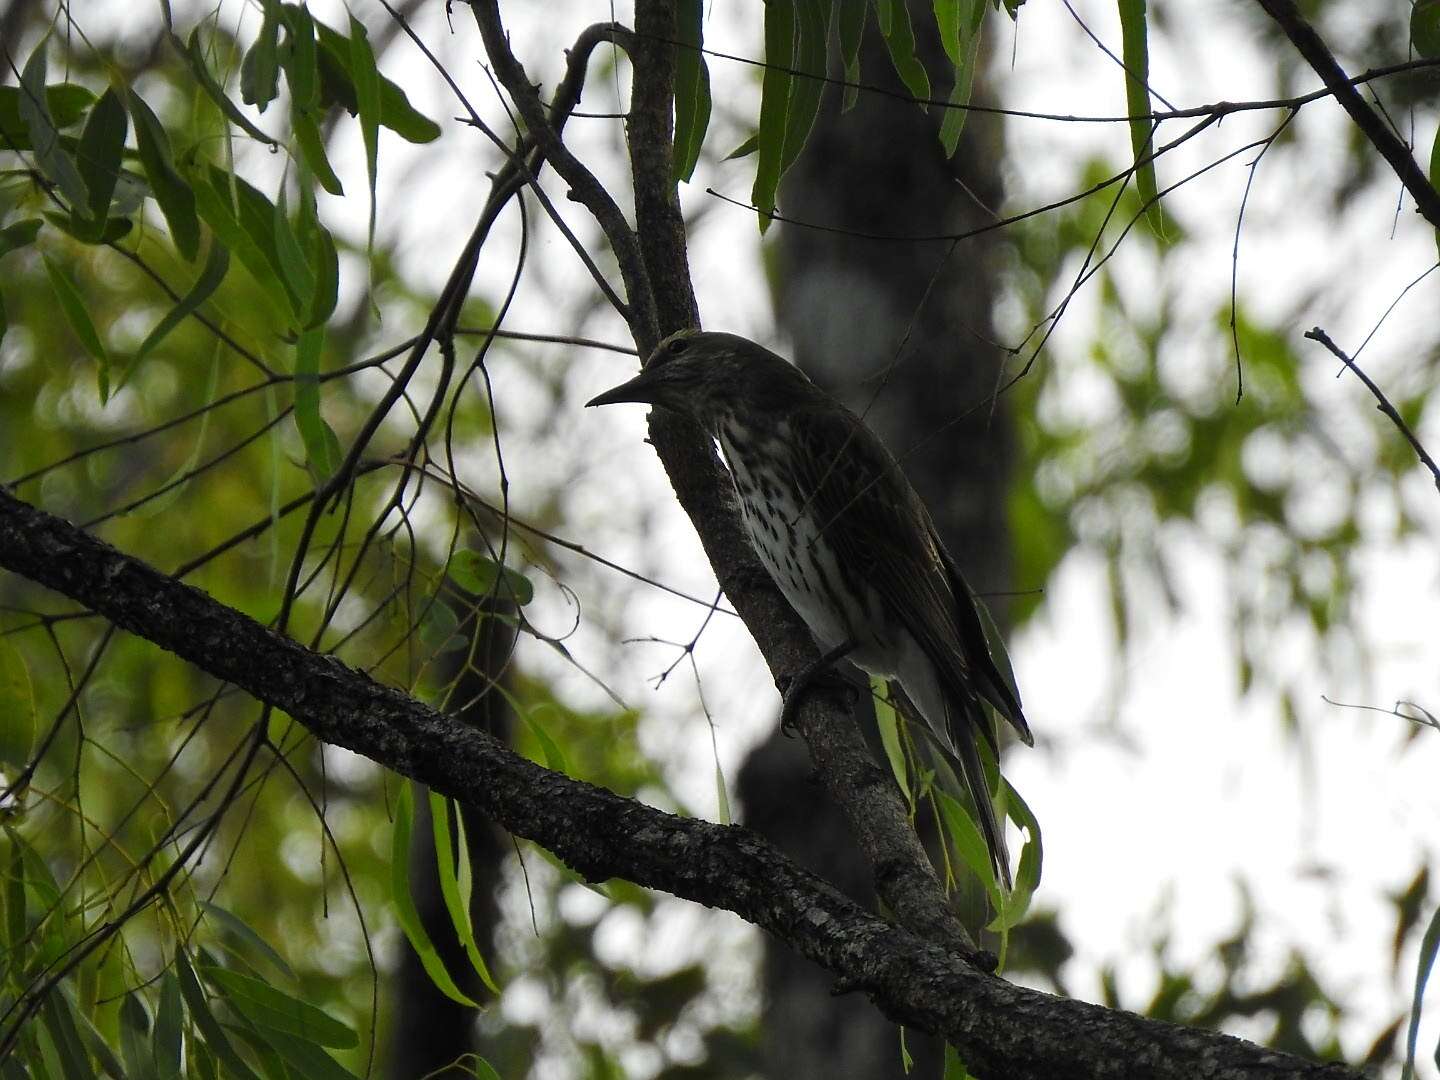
973	770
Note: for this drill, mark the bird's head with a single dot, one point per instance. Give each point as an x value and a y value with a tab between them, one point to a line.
705	376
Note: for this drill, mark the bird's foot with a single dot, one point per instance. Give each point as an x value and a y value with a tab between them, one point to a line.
793	688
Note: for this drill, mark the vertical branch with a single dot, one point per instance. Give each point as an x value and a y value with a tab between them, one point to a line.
872	804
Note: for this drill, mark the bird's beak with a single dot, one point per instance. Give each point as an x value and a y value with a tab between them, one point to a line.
640	388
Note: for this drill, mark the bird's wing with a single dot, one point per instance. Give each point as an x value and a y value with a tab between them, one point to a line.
878	525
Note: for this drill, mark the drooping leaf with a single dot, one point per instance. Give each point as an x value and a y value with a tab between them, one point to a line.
198	1005
135	1035
169	1023
270	1008
338	86
299	57
102	145
244	934
304	1058
244	220
968	18
59	1022
456	903
177	201
774	105
402	899
260	70
312	150
367	102
17	708
1135	52
73	308
44	136
888	722
851	17
194	53
322	446
1429	949
893	18
812	35
217	264
692	88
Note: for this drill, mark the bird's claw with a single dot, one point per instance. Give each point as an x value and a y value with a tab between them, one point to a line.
793	688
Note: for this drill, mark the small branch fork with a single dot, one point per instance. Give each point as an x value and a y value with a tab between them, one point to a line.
1384	406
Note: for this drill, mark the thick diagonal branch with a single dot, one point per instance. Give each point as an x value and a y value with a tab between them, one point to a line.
1001	1030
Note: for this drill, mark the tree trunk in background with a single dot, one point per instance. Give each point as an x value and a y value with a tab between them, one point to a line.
429	1031
846	305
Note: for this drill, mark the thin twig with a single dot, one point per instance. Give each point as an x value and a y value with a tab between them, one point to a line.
1384	406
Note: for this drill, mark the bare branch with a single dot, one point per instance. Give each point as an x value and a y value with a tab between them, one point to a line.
1384	406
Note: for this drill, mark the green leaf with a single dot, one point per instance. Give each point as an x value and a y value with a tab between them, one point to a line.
774	105
165	1038
967	842
19	234
1027	878
852	31
102	145
194	54
692	88
135	1035
308	1061
312	150
15	921
17	708
338	87
894	19
66	102
403	901
34	105
812	34
549	749
299	57
322	446
217	264
199	1006
298	278
1435	172
968	17
1135	51
456	902
888	722
440	627
367	100
323	259
274	1010
177	201
244	219
59	1021
260	70
244	934
1429	947
745	149
1425	28
73	308
483	576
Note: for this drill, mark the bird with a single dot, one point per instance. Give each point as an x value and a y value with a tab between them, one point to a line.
846	539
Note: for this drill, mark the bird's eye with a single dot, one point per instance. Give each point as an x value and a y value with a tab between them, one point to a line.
679	346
